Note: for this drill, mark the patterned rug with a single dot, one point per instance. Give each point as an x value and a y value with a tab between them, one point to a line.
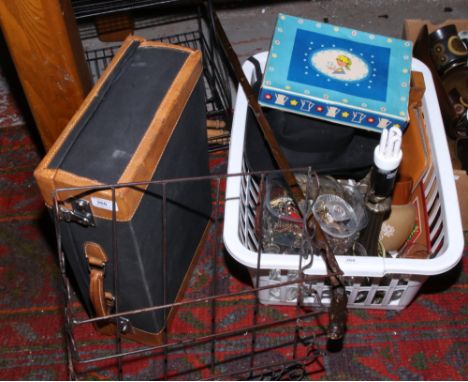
10	111
425	341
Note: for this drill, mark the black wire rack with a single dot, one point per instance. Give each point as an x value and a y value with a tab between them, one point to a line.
216	79
88	8
140	18
221	330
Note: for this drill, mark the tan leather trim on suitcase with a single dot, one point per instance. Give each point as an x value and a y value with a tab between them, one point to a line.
147	155
152	146
166	45
99	298
87	101
49	179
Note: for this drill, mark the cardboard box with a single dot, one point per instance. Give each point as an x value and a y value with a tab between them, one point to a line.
411	30
461	182
338	74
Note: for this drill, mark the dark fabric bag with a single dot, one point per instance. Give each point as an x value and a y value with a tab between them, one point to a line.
326	147
144	120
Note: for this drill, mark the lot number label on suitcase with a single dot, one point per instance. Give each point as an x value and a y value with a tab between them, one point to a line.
103	203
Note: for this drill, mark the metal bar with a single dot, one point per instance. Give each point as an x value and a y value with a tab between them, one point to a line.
173	180
165	278
115	258
275	148
204	339
106	7
298	303
187	302
222	75
71	348
306	251
214	282
207	57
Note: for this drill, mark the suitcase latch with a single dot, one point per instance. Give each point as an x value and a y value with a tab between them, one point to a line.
80	212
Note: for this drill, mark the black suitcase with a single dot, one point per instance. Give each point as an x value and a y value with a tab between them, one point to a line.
144	120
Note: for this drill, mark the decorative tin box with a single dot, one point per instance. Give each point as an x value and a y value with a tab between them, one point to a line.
343	75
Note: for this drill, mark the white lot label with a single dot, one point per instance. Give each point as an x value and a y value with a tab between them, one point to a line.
103	203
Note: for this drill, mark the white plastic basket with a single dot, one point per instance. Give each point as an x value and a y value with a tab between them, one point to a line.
372	282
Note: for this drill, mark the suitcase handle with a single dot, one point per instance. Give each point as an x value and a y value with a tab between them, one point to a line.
102	301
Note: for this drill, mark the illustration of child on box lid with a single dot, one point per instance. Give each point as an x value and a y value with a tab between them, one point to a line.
342	62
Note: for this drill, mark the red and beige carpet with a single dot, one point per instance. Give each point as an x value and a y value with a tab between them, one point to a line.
426	341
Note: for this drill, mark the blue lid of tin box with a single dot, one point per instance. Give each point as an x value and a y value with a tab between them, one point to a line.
339	74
